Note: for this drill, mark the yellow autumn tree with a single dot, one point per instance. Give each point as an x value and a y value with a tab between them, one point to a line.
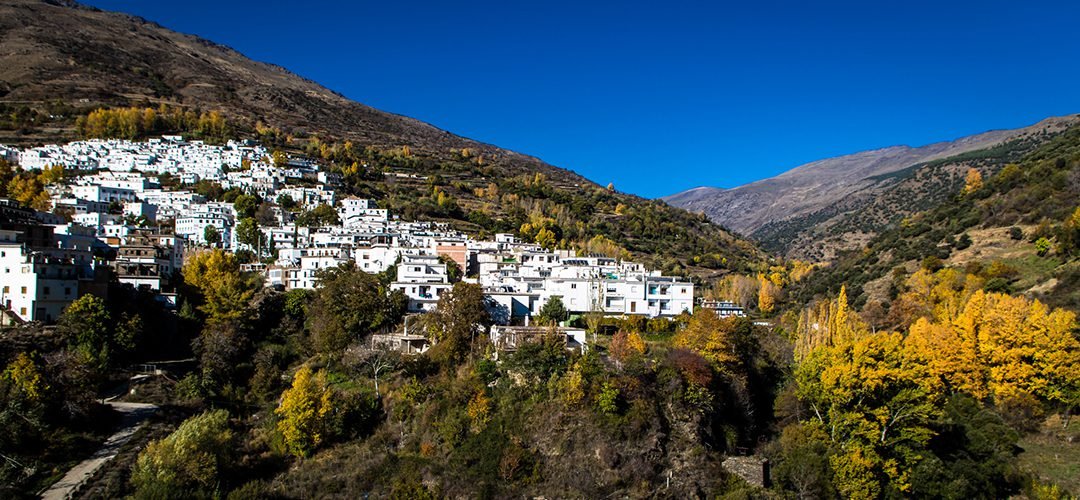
948	357
626	346
226	292
25	376
973	181
876	410
573	385
546	238
30	191
304	412
1000	346
51	174
206	268
768	293
828	323
479	411
710	336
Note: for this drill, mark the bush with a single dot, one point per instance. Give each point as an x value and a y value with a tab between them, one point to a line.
1042	246
188	462
607	401
964	241
1016	233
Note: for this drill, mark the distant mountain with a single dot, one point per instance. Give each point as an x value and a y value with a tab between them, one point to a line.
59	59
816	209
1018	232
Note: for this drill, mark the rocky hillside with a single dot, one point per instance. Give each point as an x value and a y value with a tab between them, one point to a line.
817	209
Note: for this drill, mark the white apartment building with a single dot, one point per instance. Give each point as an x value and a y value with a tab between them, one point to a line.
95	192
423	279
34	285
193	227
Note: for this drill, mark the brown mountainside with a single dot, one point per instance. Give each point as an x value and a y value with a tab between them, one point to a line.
819	208
61	50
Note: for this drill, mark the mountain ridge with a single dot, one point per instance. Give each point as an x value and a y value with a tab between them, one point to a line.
41	59
803	192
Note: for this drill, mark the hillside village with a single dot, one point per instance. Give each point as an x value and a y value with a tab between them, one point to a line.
133	213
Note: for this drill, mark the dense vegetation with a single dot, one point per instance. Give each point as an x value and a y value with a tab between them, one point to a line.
51	381
288	391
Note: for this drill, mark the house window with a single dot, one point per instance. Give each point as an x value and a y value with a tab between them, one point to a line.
24	290
46	290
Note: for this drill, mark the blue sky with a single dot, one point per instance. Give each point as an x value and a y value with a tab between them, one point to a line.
659	97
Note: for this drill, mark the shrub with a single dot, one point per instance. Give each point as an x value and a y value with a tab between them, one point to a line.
607	401
187	462
1042	246
964	241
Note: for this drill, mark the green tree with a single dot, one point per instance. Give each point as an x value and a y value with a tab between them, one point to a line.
803	467
249	233
187	463
1042	246
245	205
348	305
321	215
973	455
211	235
286	202
553	311
91	333
453	270
457	322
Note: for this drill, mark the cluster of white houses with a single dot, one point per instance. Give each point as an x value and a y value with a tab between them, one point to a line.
48	261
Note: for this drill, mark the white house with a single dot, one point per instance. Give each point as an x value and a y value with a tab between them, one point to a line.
423	279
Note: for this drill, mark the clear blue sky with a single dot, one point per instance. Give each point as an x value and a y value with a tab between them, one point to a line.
661	99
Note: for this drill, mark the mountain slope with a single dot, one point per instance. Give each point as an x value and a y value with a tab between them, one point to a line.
59	59
783	212
51	50
995	231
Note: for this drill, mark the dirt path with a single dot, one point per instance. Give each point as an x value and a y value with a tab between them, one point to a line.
135	415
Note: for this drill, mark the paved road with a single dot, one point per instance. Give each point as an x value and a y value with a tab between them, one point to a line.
135	415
